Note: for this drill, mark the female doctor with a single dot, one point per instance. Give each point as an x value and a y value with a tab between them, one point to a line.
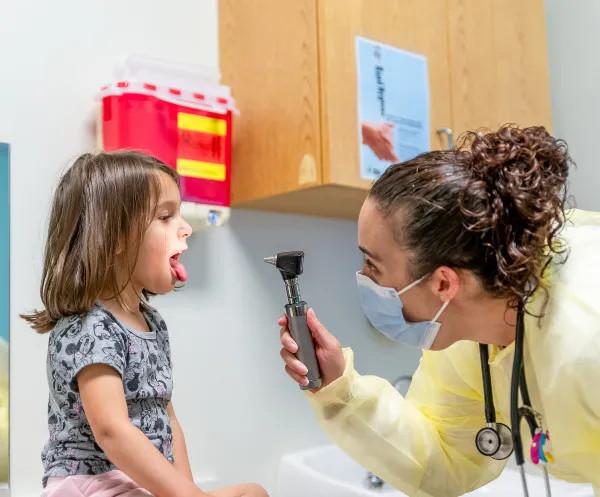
470	256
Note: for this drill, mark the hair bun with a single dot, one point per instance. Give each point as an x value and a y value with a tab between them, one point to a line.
517	194
527	158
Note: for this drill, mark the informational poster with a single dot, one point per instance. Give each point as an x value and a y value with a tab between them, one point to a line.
393	106
4	309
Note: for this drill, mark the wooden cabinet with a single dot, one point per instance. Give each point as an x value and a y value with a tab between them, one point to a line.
291	65
498	64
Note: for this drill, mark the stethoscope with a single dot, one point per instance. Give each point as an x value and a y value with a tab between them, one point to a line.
497	440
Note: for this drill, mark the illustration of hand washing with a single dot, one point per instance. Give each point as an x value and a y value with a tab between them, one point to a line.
379	138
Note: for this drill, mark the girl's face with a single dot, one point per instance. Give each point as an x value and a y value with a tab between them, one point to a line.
158	267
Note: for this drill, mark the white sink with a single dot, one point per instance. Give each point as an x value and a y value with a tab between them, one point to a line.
509	483
329	472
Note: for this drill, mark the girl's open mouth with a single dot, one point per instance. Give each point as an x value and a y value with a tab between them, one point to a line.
178	269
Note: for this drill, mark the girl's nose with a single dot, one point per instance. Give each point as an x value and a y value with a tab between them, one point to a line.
186	230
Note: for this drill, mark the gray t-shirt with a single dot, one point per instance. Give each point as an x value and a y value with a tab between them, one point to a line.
143	360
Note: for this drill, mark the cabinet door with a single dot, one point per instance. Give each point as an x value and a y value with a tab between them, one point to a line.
498	63
268	55
418	26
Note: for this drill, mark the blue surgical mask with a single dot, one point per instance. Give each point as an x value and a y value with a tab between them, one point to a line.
383	308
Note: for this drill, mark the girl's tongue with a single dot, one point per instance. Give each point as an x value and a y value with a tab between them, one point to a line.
178	268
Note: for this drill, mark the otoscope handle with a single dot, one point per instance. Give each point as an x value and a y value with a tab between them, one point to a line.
296	316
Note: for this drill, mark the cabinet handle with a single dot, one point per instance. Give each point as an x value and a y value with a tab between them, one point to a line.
449	136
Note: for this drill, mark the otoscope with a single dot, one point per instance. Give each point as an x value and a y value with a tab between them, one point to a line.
290	267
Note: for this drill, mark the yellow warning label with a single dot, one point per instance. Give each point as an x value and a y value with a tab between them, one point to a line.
200	169
202	124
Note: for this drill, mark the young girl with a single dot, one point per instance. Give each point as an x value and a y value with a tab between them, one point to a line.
114	239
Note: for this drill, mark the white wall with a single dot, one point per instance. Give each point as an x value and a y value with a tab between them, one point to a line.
573	41
235	403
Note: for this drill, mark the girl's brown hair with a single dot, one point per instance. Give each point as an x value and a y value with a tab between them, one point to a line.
494	205
101	210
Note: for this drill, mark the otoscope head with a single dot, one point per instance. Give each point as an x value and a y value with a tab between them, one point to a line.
288	263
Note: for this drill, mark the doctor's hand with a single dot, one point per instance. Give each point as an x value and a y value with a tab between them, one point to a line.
327	347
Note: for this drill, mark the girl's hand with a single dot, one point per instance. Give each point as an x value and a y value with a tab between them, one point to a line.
327	347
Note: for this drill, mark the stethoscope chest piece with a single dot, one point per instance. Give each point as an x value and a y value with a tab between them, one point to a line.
495	441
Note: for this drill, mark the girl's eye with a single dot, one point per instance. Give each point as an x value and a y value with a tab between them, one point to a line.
165	217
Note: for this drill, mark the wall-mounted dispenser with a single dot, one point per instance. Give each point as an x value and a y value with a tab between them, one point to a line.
181	115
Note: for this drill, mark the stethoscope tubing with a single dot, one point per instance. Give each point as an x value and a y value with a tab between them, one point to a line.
518	385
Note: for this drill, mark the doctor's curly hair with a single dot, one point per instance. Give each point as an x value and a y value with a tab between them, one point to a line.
494	205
